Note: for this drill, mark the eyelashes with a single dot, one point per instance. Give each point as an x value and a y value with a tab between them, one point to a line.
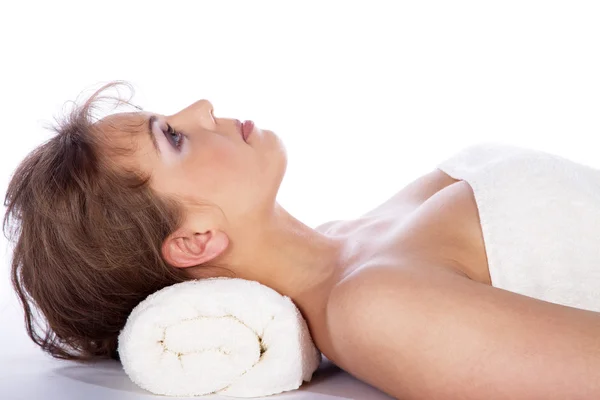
174	137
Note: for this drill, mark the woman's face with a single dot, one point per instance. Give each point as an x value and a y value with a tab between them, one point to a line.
198	159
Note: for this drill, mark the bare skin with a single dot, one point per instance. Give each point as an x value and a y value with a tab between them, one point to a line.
401	297
420	226
415	315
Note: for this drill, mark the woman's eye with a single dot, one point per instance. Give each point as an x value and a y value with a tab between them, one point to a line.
174	137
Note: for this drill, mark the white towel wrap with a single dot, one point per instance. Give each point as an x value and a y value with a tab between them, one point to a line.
540	217
229	336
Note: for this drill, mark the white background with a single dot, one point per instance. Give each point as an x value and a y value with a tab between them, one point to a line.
367	96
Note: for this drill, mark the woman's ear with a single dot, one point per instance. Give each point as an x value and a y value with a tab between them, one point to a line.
185	248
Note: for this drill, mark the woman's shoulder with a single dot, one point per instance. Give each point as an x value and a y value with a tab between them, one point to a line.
401	329
378	288
359	287
373	313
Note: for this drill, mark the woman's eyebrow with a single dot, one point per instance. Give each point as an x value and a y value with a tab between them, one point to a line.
152	137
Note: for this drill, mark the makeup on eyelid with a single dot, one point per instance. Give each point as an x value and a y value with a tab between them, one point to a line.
167	152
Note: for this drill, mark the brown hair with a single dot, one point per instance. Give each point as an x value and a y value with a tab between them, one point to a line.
88	239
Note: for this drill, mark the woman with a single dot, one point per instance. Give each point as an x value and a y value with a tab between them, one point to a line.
402	297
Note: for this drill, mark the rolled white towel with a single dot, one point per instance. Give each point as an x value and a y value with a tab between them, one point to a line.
229	336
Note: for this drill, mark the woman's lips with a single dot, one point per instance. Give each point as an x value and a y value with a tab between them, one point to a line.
247	128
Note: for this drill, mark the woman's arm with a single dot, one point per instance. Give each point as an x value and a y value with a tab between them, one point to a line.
422	334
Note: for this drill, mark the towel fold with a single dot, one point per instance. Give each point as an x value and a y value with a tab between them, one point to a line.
229	336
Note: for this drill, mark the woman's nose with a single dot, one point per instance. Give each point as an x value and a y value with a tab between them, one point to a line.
206	108
201	111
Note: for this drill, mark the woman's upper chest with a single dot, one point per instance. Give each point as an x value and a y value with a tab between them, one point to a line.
434	220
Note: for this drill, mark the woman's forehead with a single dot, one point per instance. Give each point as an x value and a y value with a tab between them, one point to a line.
126	121
125	133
